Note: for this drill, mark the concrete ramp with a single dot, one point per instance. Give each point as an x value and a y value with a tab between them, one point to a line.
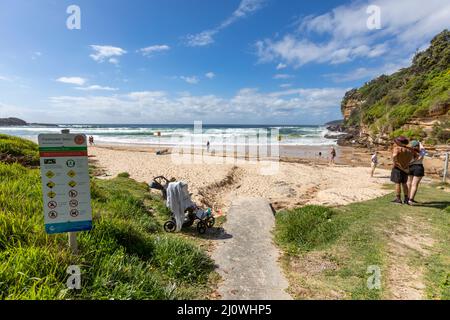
248	260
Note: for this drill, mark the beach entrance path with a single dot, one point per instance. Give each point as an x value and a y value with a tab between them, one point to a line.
248	260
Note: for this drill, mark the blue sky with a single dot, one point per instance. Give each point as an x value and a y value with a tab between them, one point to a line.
219	61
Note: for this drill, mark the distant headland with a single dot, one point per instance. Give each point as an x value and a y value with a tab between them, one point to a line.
9	122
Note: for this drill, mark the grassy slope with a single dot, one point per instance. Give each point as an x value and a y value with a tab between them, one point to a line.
125	256
330	260
21	149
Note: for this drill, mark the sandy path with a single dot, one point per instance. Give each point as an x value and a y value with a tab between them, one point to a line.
247	261
409	237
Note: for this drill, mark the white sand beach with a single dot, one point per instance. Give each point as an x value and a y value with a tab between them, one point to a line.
214	184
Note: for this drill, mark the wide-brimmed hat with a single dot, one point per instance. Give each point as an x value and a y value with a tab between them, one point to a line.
401	140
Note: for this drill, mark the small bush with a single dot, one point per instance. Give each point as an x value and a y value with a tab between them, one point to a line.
123	175
306	228
416	134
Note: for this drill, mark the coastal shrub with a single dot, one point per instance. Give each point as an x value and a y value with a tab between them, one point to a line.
441	131
123	175
412	134
306	228
124	256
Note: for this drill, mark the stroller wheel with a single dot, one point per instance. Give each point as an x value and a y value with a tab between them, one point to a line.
210	222
201	227
170	226
190	217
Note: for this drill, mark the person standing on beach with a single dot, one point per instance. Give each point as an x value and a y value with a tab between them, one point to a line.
332	155
374	163
207	146
402	157
416	171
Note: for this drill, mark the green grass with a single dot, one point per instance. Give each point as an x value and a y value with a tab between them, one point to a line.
24	151
125	256
306	228
353	237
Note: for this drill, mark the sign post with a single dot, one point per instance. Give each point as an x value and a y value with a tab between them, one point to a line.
65	184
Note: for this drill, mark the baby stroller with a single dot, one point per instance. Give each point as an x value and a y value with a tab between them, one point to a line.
183	210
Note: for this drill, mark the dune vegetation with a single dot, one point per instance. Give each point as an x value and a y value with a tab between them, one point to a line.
125	256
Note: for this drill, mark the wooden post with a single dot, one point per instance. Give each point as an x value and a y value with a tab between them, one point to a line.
73	243
444	179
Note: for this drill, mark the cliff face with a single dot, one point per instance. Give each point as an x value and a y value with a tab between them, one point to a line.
414	101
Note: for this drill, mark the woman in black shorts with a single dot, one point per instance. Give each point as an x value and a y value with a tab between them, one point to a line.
416	171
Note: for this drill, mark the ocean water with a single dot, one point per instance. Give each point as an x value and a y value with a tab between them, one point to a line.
182	134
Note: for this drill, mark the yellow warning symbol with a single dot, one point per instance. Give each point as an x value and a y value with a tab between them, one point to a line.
50	174
71	173
72	183
51	194
51	184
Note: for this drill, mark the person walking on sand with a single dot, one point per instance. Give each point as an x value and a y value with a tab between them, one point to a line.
374	163
416	171
332	155
402	157
207	146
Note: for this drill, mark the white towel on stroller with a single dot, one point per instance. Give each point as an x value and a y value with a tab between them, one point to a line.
178	200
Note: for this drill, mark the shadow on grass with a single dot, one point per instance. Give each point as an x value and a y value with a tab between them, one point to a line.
434	204
215	233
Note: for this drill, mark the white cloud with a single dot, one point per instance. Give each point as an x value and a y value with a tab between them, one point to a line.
247	103
201	39
246	7
36	55
281	66
285	85
344	36
148	51
95	87
72	80
113	61
109	53
369	73
190	80
210	75
4	78
282	76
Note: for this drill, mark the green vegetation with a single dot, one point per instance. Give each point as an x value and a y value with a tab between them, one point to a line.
125	256
329	259
123	175
421	90
306	228
19	150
